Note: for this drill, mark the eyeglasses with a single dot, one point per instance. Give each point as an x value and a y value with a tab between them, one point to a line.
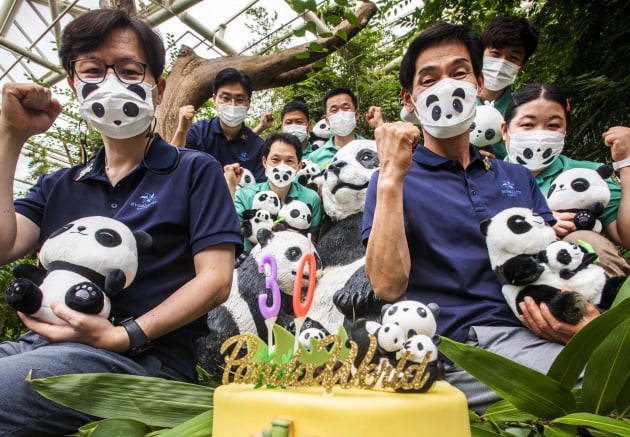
238	100
95	71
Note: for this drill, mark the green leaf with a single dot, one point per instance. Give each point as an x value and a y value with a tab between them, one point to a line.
283	343
607	371
315	47
596	421
113	428
198	426
333	19
560	430
622	404
301	31
623	293
503	411
479	431
303	55
154	401
342	34
352	19
298	6
570	362
311	27
527	389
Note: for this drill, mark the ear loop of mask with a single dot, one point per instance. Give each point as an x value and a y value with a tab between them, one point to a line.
83	145
150	136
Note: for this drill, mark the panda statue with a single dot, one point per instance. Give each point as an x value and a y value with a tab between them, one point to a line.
240	313
320	134
83	264
485	129
518	242
583	191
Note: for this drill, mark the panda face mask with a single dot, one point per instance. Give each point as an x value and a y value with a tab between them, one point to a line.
447	109
281	175
115	109
535	149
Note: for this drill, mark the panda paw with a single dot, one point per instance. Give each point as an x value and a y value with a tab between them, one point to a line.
568	307
86	297
23	295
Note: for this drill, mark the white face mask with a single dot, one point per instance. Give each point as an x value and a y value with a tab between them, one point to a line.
297	130
115	109
342	123
409	117
498	73
535	149
232	115
281	175
447	109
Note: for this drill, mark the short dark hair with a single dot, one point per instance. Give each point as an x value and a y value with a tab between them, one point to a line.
90	29
534	91
435	34
232	75
340	90
509	30
284	138
295	105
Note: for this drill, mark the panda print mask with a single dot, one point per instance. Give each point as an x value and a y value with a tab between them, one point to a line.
281	175
115	109
447	109
535	149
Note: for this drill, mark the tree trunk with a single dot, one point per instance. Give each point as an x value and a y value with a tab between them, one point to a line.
191	78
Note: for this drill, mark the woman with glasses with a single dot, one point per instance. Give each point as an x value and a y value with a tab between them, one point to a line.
226	137
179	197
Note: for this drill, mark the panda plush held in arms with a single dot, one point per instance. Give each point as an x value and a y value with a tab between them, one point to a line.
82	264
528	261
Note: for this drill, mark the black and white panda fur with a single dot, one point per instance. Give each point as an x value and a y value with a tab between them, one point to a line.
240	313
247	178
320	133
82	264
583	191
486	127
516	238
267	200
253	221
309	174
295	215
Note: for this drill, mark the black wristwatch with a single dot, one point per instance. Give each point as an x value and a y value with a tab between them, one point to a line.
139	341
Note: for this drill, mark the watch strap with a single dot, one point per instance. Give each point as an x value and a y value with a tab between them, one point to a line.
137	338
621	164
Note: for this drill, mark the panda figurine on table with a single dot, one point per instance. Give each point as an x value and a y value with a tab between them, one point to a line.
82	264
583	191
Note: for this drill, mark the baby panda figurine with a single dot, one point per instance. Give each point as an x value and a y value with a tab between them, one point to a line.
485	129
83	264
320	134
253	221
294	215
267	200
583	191
309	174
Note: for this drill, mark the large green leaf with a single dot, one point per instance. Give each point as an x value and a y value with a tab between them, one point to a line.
503	411
623	293
478	431
199	426
527	389
569	364
622	404
113	428
154	401
607	371
596	421
560	430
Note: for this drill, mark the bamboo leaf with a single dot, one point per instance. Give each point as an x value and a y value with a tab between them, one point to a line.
623	293
596	421
477	431
560	430
569	364
527	389
606	371
503	411
198	426
154	401
113	428
622	404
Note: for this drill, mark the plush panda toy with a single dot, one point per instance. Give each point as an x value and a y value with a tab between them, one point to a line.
583	191
82	264
320	133
486	127
295	215
267	200
309	174
247	178
528	261
253	221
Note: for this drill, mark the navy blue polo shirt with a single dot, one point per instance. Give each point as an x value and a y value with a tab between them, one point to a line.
184	204
245	148
443	207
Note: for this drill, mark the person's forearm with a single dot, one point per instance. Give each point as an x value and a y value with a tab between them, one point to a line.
179	139
9	155
387	260
621	233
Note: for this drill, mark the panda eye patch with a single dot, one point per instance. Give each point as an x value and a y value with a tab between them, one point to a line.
108	237
295	213
293	254
552	188
431	99
580	185
518	224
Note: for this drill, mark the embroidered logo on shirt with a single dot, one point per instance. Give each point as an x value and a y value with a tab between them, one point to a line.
85	171
243	157
146	200
509	189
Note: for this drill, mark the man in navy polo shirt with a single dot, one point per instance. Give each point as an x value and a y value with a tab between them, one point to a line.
435	197
178	196
225	136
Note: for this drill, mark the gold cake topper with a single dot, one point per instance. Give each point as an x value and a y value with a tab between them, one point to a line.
248	364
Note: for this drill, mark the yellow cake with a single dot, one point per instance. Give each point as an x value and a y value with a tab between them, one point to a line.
242	411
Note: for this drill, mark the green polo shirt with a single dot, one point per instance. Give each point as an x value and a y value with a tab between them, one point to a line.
563	163
306	152
244	198
323	155
499	150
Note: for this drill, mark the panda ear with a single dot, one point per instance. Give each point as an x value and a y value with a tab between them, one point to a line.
483	227
144	241
248	214
436	339
435	309
605	171
288	200
264	236
542	256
